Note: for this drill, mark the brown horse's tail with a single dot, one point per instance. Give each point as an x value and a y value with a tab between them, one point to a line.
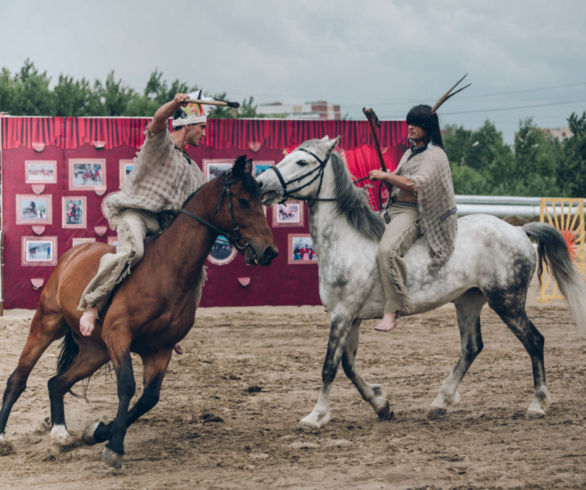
67	355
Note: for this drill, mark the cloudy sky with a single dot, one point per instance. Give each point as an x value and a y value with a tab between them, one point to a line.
524	58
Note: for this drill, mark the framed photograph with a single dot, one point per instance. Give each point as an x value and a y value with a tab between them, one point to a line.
39	251
213	168
223	252
40	171
85	174
32	209
126	167
80	240
288	214
260	167
74	212
301	250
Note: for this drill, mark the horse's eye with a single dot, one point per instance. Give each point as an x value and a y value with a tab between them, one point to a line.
244	203
301	162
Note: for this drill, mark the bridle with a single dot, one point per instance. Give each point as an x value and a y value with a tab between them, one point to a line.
234	236
319	174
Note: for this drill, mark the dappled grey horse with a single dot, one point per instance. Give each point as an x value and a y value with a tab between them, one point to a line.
493	262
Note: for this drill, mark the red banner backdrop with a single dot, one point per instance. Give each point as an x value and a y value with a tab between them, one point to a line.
56	171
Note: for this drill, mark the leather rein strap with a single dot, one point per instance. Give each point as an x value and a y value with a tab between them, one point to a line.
234	236
319	174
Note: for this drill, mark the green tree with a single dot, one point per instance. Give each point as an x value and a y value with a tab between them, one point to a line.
481	162
31	95
456	141
248	109
536	161
7	91
571	171
115	96
75	98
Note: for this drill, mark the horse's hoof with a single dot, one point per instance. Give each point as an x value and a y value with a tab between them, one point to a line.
59	435
436	413
312	422
386	413
88	434
535	413
112	458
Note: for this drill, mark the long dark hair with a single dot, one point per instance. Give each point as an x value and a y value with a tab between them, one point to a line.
421	116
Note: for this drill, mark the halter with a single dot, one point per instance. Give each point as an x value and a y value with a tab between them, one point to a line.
234	237
319	171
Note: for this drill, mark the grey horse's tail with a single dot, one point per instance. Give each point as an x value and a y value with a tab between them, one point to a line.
553	251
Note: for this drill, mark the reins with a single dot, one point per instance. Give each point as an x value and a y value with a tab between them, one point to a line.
320	175
234	236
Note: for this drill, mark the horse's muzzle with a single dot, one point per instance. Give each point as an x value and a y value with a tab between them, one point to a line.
254	256
271	197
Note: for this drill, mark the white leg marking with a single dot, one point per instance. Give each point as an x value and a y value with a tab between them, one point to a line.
442	402
59	433
2	437
539	404
320	415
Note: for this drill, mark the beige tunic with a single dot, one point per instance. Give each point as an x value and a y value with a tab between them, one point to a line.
430	170
162	179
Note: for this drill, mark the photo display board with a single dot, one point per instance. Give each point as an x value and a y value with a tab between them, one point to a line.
56	171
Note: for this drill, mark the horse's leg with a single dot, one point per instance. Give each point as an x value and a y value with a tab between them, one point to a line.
517	320
155	367
340	325
468	308
373	394
118	340
45	328
90	358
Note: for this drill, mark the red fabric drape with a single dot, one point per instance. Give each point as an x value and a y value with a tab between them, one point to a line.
239	134
59	140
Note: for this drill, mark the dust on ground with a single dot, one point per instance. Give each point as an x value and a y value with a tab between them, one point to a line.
230	406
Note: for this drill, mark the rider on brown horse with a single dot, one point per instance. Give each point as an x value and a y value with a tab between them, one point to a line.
163	178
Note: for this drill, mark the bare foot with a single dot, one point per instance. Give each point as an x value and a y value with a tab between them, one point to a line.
178	349
87	321
388	322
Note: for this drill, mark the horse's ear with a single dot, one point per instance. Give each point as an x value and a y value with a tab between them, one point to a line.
333	143
325	139
242	166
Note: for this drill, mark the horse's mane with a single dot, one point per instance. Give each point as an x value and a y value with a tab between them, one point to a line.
352	203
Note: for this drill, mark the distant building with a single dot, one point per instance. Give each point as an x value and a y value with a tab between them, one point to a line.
309	110
560	134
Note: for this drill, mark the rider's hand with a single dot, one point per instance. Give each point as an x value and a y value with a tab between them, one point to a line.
376	174
181	99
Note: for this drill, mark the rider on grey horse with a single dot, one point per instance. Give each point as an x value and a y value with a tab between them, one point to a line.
421	201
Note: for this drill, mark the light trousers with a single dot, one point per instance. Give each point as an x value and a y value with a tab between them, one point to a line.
133	227
399	235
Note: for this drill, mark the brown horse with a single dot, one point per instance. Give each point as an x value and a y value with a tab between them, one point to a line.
150	311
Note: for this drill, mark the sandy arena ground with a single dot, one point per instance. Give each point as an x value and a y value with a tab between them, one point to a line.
230	406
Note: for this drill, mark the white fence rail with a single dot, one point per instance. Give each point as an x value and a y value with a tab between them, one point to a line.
500	206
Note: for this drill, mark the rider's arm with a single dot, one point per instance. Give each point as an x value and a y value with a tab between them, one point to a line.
159	121
399	181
